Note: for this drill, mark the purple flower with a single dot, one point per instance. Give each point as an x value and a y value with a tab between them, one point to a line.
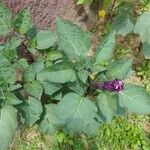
113	85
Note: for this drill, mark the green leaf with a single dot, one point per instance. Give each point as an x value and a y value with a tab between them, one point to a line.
50	124
146	50
21	63
123	23
13	87
58	73
83	75
92	127
50	88
84	2
7	71
8	126
105	50
10	51
77	112
32	32
31	110
46	39
77	87
38	66
22	21
107	105
11	99
142	27
120	69
5	19
29	74
72	40
34	88
135	99
14	43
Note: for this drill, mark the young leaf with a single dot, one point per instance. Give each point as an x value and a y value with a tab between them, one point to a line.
31	110
72	40
50	124
107	105
142	27
58	73
22	21
77	112
119	69
135	99
34	88
105	50
5	19
46	39
8	126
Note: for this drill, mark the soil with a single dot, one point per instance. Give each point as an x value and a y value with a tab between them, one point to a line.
44	12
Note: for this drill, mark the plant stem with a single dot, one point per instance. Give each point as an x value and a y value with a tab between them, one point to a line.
111	9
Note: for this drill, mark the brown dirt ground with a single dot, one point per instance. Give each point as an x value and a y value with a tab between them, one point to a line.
44	12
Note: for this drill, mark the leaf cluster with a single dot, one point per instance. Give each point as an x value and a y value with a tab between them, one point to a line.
46	77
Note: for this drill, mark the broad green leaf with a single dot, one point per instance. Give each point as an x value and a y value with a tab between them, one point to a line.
13	87
120	69
135	99
11	99
83	75
7	71
31	110
72	40
38	66
105	50
92	127
142	27
21	63
77	112
50	124
121	111
29	74
50	87
57	95
34	88
8	126
22	21
5	19
124	6
123	23
77	87
58	73
146	50
107	105
46	39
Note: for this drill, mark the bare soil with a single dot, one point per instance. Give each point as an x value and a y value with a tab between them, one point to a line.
44	12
